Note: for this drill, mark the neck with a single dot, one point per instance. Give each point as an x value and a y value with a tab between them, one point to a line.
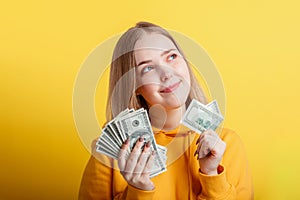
166	119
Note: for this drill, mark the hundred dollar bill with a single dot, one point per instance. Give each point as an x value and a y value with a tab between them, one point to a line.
113	135
115	124
200	118
106	151
136	125
214	107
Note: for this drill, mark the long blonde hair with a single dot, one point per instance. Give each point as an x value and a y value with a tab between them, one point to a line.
123	61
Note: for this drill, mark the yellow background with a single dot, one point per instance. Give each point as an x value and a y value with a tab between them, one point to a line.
255	45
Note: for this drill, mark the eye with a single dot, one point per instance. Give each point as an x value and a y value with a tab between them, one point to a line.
172	56
147	69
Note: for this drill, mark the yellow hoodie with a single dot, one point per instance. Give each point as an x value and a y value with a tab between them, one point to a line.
182	180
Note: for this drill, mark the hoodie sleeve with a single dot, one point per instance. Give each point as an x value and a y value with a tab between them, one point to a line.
233	181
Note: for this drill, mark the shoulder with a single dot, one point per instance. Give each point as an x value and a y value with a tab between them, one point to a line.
232	139
235	149
229	135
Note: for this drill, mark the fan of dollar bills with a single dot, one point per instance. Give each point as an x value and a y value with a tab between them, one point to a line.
134	124
131	124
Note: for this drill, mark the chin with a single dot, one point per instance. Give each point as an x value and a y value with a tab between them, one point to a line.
173	105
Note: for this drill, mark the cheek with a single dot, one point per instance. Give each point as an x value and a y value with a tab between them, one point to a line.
147	90
148	80
186	76
183	71
149	93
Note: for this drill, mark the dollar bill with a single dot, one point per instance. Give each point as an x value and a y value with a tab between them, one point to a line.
214	107
199	117
136	125
131	124
106	151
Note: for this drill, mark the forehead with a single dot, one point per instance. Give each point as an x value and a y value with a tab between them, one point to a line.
152	44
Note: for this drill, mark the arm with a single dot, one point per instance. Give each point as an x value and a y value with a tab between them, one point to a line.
232	180
102	181
96	181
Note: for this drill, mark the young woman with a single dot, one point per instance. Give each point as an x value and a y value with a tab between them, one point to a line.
149	71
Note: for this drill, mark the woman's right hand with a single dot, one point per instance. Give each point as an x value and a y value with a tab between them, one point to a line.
137	167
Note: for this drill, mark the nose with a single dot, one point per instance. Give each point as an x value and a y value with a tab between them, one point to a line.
166	73
166	77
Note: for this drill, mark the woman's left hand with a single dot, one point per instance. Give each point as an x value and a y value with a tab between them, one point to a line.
210	151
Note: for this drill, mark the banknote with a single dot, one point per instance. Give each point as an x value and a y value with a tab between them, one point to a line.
199	117
214	107
136	125
132	124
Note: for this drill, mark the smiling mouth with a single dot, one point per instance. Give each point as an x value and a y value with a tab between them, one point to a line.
170	88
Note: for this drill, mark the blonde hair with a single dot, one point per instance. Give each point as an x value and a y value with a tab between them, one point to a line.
123	61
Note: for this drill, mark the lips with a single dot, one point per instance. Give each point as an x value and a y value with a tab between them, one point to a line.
171	88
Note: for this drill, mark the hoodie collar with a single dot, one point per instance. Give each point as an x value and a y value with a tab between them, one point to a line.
180	130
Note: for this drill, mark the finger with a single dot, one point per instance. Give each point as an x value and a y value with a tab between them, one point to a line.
198	148
205	145
149	164
196	152
134	155
216	141
209	138
200	143
203	152
198	140
208	131
122	155
140	165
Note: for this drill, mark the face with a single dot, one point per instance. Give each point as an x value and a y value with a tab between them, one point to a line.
162	74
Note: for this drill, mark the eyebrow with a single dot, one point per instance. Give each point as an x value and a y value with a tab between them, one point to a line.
163	53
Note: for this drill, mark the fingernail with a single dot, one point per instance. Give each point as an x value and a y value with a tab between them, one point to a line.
141	139
198	140
148	144
127	141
